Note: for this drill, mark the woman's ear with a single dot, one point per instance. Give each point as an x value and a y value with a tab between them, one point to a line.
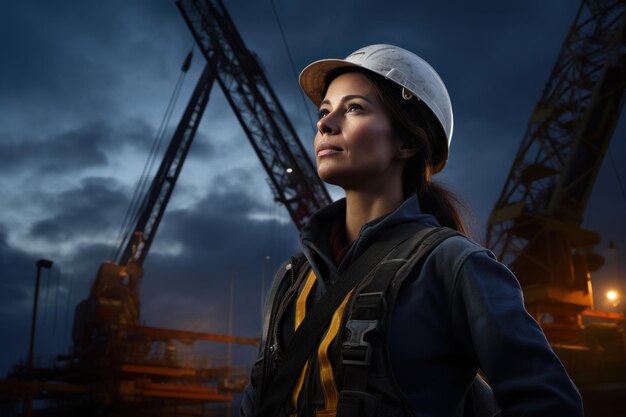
406	150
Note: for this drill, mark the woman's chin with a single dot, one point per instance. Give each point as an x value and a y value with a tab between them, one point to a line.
330	176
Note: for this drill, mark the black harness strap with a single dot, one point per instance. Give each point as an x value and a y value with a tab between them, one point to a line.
368	316
306	338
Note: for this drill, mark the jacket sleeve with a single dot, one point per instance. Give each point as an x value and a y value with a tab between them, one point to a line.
509	346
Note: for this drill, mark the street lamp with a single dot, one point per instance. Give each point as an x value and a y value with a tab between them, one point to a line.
613	297
46	264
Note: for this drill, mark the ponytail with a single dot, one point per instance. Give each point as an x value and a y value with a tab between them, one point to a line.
443	204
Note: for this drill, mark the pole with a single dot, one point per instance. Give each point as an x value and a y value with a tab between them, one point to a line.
230	322
230	345
41	263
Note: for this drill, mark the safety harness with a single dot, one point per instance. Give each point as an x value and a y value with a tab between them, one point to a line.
353	315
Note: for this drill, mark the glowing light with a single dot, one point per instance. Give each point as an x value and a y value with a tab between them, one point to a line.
289	170
612	295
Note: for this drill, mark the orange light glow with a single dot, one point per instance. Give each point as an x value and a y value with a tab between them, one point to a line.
612	295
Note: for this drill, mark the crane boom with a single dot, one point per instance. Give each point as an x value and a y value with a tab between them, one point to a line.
294	180
154	204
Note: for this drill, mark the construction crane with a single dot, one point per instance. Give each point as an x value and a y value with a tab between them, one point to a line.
293	179
535	226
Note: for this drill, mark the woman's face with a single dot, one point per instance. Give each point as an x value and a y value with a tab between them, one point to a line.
354	144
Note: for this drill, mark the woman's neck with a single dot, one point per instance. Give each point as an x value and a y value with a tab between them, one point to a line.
363	207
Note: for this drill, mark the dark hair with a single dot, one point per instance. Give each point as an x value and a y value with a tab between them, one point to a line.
414	124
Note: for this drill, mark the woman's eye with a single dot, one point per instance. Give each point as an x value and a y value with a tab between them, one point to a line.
321	113
354	107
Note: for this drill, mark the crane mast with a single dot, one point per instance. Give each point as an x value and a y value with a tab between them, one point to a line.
535	226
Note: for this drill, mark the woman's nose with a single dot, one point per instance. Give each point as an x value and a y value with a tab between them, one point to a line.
327	125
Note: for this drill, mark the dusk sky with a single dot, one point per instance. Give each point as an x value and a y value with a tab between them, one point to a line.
83	89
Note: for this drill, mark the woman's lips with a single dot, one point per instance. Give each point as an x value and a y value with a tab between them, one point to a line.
327	149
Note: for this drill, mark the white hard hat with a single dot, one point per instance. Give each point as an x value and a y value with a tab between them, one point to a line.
402	67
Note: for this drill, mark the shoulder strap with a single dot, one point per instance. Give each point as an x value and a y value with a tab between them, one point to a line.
371	301
316	321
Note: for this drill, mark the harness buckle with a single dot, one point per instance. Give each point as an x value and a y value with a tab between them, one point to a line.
355	350
368	307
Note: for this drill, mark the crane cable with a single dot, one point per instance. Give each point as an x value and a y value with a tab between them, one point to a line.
293	67
135	209
132	213
278	216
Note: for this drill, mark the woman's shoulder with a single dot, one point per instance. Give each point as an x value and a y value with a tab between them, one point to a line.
443	260
455	250
460	259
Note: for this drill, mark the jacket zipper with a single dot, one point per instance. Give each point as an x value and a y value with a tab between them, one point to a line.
274	348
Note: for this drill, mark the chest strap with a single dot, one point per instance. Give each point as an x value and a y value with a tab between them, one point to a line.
369	314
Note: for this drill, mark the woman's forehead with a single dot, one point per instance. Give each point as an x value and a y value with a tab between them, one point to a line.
351	83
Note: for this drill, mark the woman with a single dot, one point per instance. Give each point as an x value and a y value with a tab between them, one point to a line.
414	346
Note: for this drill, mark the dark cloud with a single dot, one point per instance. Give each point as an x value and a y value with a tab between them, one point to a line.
69	151
16	277
91	145
60	51
93	208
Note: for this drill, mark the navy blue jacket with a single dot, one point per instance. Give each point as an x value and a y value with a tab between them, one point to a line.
462	311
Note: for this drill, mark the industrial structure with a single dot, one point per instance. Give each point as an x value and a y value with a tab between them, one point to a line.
535	226
119	367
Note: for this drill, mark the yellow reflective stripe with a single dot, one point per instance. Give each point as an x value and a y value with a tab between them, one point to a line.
296	392
327	377
300	313
301	302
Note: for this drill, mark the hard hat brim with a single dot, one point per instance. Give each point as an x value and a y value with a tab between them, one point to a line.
313	78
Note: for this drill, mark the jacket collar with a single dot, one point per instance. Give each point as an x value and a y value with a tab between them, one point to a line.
314	236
